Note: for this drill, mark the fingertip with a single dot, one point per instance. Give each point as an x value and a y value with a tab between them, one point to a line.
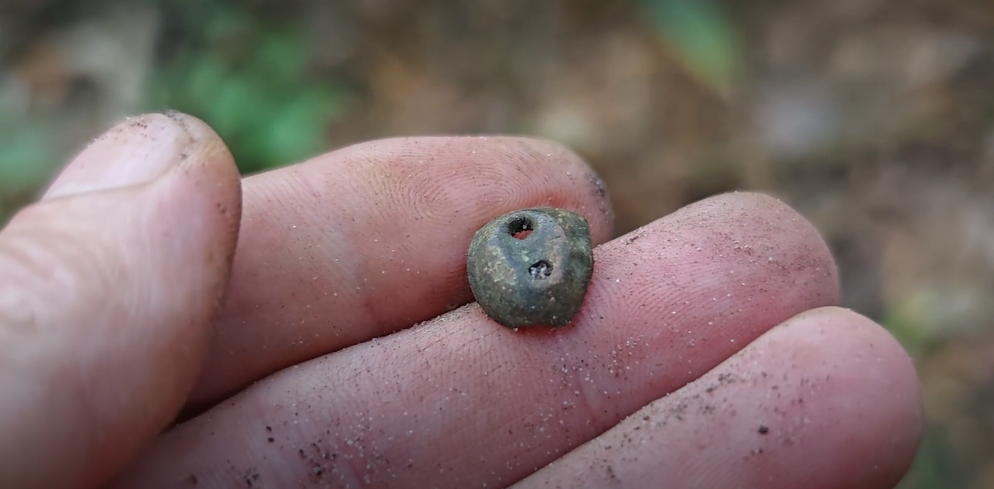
828	399
880	373
474	174
136	150
108	288
596	201
207	171
759	216
849	396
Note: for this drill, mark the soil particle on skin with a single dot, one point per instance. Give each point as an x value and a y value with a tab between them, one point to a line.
319	460
251	477
600	190
610	473
632	238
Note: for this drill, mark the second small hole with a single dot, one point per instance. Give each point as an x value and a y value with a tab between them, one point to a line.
540	270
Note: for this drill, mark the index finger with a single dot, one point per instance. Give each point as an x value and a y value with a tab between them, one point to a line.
372	239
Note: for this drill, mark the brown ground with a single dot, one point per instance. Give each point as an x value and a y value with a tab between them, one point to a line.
874	118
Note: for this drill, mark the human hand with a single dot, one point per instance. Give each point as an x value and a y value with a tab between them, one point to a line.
707	352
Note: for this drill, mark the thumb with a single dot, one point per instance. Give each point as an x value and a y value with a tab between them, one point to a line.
107	290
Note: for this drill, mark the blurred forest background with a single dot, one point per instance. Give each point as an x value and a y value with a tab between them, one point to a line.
874	118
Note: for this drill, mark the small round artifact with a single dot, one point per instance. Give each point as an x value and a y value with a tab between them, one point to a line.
531	267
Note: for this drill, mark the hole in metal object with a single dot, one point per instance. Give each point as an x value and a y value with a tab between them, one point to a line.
520	227
540	270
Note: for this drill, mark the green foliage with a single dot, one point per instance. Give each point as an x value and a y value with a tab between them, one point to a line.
248	80
26	159
934	467
25	155
701	35
914	335
244	73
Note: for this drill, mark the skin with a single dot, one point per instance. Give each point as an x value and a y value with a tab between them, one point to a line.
313	327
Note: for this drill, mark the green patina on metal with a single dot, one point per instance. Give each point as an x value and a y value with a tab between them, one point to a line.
531	267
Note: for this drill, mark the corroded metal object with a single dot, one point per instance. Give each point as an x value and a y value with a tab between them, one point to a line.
531	267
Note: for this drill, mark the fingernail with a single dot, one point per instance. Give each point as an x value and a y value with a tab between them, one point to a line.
135	151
